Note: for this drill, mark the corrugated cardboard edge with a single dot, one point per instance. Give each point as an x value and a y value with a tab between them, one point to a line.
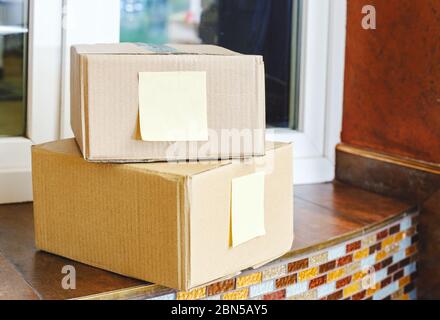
78	100
261	91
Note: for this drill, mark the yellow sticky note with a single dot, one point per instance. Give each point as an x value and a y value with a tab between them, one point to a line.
247	208
173	106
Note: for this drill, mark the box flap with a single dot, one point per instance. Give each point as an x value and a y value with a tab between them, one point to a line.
144	48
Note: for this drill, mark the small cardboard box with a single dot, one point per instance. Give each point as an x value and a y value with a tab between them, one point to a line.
140	103
167	223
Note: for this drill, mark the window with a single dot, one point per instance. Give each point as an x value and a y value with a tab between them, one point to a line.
13	53
311	69
263	27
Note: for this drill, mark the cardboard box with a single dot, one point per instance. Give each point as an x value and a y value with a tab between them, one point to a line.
167	223
139	103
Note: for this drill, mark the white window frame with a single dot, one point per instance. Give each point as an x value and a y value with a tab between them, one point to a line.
53	26
44	61
321	92
56	24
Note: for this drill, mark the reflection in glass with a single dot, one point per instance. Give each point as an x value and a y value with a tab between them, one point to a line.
13	46
265	27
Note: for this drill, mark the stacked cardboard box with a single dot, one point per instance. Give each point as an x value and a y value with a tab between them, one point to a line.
159	217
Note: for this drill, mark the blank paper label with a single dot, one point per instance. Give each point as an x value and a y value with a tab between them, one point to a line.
247	208
173	106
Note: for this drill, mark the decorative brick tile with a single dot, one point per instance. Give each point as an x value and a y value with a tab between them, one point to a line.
262	288
343	282
326	289
414	239
335	274
361	254
411	268
368	261
278	295
286	281
411	250
170	296
377	266
359	275
408	288
237	295
336	252
298	265
404	281
220	287
308	295
399	237
353	267
375	247
381	255
405	223
192	295
297	289
404	262
392	249
318	259
385	282
368	240
249	279
275	272
316	282
360	295
386	292
352	289
411	231
353	246
382	235
308	274
345	260
393	268
372	290
398	275
327	266
336	295
386	262
395	229
397	295
387	241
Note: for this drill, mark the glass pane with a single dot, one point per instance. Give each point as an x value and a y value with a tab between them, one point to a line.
266	27
13	53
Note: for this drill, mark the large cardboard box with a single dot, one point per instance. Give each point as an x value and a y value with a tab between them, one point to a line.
167	223
138	102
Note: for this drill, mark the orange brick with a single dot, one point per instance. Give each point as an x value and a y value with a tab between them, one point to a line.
285	281
411	250
220	287
298	265
404	281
